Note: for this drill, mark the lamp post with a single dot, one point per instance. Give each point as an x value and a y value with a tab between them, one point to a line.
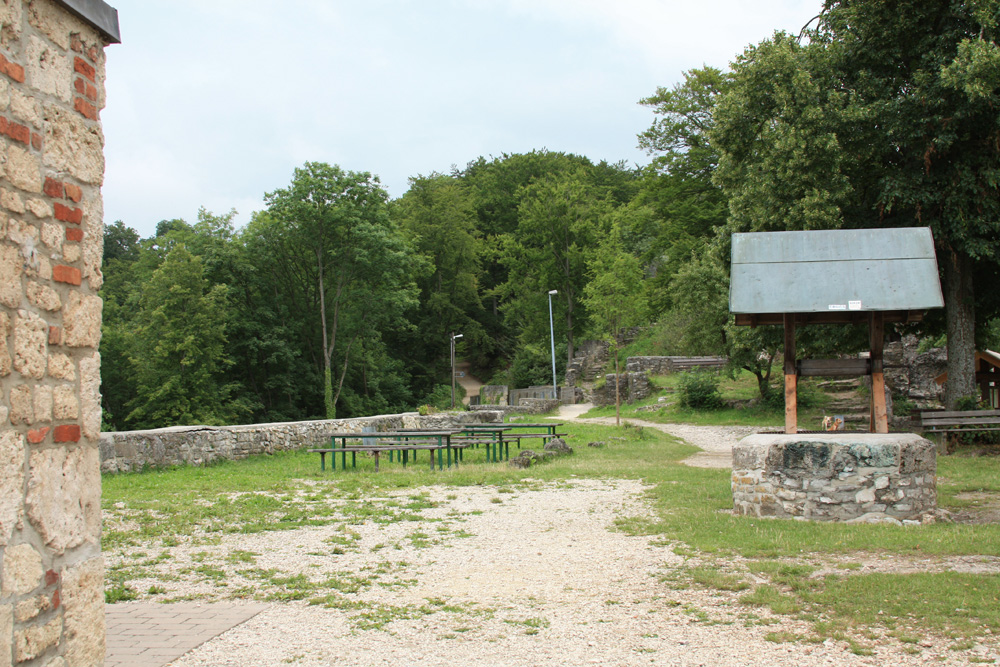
552	342
453	337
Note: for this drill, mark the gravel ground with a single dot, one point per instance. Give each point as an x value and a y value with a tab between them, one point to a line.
530	576
538	580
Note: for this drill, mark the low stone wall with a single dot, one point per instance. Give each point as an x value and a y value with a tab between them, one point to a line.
126	451
667	365
633	387
835	476
528	406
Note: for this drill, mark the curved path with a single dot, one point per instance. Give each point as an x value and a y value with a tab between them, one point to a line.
716	442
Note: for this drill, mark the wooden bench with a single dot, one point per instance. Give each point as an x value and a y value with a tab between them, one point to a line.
942	422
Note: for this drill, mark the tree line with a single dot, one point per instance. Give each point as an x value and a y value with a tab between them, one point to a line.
337	301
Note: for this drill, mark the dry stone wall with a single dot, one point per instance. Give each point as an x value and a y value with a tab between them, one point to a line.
835	476
128	451
633	386
51	242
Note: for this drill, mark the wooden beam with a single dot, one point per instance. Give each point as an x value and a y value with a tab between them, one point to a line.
879	415
832	317
791	377
833	367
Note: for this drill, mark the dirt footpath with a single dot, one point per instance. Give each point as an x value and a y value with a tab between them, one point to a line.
715	441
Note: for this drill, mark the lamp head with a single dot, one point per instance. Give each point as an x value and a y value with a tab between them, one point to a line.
553	291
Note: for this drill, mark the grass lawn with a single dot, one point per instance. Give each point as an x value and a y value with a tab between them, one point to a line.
812	404
843	579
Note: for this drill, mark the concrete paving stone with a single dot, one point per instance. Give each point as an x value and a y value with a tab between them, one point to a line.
153	635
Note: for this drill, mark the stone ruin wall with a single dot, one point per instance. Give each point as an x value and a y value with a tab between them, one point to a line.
128	451
634	386
835	477
51	242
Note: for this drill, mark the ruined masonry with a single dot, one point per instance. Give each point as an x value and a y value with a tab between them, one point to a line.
51	235
843	476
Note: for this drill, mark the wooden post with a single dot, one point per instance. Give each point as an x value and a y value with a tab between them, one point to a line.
879	422
791	377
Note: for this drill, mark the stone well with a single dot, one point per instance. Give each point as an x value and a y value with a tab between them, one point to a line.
835	476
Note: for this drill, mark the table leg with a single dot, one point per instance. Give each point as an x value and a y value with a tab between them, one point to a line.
376	453
322	461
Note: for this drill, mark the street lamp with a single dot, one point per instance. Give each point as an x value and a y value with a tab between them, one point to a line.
552	342
453	337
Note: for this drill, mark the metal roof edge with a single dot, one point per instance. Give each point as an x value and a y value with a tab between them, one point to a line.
97	13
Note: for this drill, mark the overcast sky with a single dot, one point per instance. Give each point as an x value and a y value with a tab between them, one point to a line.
214	102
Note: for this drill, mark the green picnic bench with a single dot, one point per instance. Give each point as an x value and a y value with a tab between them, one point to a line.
404	442
545	431
491	436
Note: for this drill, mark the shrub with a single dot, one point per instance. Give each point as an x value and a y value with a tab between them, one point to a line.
700	390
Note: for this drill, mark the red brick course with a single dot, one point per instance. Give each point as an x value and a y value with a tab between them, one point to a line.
83	67
74	234
36	435
67	214
85	108
66	433
12	70
53	188
66	274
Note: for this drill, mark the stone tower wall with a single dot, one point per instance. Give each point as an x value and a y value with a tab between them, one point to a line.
51	242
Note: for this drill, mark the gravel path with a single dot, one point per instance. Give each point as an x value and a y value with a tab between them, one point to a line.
716	442
533	575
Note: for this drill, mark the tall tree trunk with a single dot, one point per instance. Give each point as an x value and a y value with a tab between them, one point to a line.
960	318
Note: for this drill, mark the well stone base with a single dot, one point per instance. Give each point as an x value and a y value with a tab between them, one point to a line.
835	476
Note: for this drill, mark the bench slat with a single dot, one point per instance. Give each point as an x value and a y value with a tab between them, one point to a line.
938	414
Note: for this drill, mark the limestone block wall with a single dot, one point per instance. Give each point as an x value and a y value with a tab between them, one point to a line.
835	476
634	386
51	242
128	451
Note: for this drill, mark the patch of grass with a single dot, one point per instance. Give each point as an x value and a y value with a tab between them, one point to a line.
119	593
772	598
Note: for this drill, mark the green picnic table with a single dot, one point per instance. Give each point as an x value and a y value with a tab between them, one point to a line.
402	441
548	431
490	435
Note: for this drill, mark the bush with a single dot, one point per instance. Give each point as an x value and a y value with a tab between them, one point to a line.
700	390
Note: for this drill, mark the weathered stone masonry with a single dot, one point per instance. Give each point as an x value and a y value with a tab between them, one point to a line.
128	451
839	476
51	237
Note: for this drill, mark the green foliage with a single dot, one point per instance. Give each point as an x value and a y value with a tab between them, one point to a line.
335	246
437	216
180	348
440	397
879	115
699	390
531	366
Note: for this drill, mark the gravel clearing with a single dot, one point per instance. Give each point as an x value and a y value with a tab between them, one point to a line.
528	575
538	578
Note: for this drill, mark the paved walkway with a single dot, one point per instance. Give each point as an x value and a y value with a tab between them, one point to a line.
148	634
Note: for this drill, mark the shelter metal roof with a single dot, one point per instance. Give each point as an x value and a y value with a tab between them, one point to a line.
843	274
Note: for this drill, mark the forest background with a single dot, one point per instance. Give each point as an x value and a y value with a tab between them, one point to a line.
336	301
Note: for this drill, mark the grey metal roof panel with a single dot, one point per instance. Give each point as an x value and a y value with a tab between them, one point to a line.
97	13
831	270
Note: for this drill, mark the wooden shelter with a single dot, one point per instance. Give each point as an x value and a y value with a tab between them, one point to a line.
845	276
987	365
